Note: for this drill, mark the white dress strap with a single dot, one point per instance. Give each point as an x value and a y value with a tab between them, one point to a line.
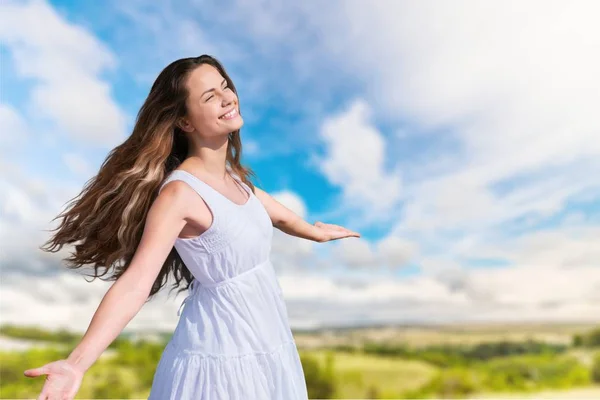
216	205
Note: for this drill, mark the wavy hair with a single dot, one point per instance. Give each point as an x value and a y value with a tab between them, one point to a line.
106	220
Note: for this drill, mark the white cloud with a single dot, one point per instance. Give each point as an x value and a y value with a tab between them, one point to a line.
355	160
565	247
66	300
290	252
553	270
516	95
395	251
65	62
164	32
391	251
77	164
416	289
27	206
356	253
251	147
459	200
292	201
518	92
516	294
14	131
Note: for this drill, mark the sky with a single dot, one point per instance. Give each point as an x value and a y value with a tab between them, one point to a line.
461	139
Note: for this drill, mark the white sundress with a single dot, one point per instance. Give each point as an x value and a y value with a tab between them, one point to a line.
233	339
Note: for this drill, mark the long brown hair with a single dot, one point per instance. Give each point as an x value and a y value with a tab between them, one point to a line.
107	218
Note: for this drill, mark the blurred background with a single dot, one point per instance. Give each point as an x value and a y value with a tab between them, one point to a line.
461	139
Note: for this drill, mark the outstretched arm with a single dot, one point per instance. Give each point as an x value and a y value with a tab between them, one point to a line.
291	223
128	294
125	297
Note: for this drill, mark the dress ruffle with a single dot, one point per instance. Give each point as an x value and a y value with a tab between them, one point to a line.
232	341
261	376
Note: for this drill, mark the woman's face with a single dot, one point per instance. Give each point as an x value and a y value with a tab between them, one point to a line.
212	107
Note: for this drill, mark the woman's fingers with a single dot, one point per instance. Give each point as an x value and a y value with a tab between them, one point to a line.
338	231
36	371
346	230
333	226
342	229
62	381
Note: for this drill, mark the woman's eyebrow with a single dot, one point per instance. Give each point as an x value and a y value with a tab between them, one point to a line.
213	89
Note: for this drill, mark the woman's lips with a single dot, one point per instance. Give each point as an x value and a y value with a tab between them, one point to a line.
229	115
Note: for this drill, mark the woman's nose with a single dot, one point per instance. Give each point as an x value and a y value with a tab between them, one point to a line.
228	97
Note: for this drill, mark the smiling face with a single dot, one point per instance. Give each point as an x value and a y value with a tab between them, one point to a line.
212	106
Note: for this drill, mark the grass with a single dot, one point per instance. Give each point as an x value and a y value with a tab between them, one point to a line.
365	376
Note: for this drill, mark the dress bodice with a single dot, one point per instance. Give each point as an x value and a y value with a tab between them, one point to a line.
238	239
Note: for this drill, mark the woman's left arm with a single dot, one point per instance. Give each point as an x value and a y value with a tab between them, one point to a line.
289	222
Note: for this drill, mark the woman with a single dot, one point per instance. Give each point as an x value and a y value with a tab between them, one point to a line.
174	198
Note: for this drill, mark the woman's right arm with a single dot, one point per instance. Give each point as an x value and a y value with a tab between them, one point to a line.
128	294
165	220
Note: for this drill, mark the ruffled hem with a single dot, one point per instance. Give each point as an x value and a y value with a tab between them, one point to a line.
185	375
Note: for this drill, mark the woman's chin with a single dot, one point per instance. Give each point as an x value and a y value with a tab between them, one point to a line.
235	124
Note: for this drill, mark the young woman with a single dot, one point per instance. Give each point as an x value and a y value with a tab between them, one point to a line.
174	199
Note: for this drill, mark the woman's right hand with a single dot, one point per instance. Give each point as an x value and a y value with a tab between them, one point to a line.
63	380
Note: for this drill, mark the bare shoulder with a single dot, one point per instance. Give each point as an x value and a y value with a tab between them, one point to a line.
259	192
190	205
177	194
263	196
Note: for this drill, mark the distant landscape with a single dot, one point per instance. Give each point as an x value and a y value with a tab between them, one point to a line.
385	362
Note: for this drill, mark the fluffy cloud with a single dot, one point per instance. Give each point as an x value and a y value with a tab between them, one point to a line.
289	252
64	62
391	251
66	300
14	129
501	295
514	140
518	105
77	164
355	159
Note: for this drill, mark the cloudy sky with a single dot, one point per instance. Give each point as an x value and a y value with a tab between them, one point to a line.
461	138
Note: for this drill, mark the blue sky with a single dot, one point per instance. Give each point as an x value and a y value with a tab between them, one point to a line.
461	141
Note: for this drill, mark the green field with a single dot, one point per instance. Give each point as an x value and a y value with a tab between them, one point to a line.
366	376
543	362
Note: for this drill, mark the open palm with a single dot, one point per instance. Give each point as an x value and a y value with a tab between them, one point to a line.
63	380
334	232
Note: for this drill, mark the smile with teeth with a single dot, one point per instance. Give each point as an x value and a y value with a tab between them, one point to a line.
231	114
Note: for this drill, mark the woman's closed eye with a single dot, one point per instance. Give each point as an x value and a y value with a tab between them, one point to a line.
226	87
